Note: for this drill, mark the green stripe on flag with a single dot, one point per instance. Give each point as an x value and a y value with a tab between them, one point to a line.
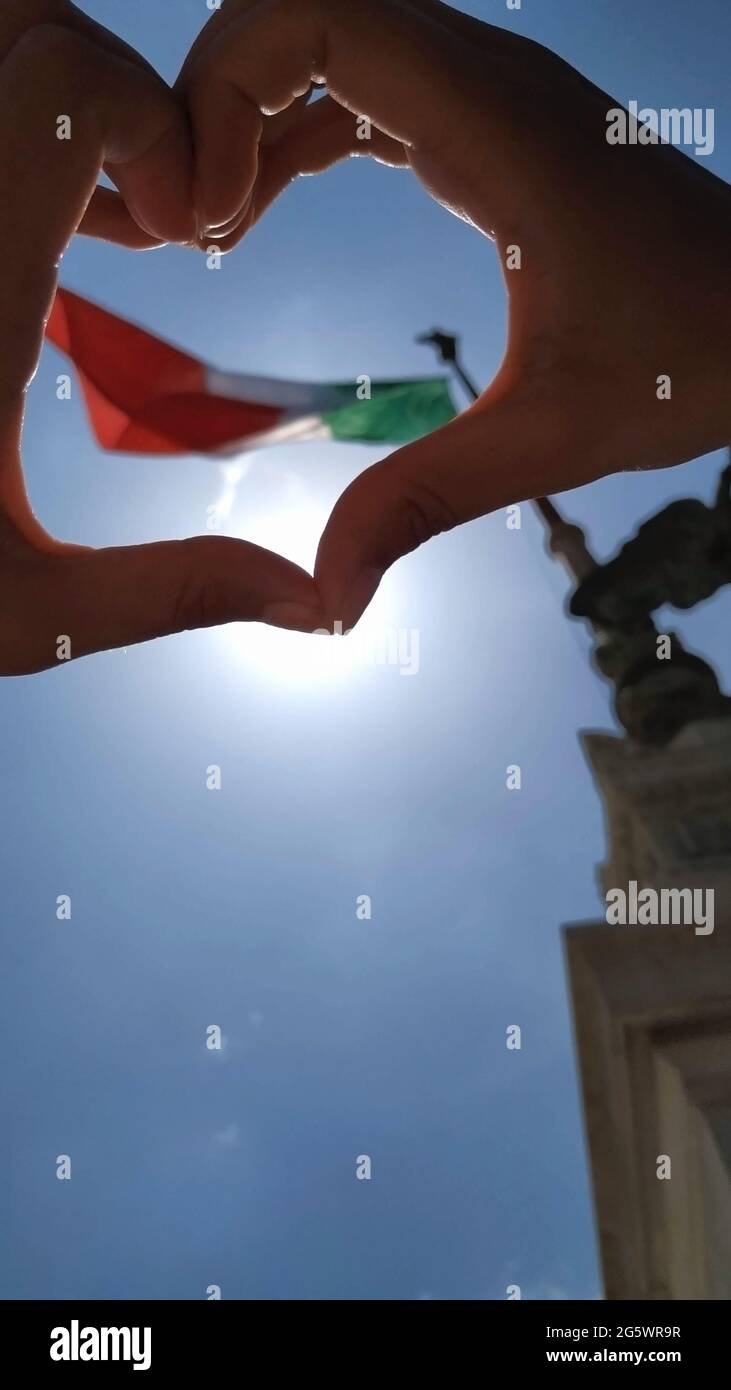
397	412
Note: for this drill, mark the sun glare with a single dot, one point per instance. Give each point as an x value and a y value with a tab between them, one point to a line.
293	658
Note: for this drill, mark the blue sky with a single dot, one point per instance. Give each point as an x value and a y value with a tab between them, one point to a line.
237	907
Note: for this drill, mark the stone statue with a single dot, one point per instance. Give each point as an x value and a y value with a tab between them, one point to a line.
680	556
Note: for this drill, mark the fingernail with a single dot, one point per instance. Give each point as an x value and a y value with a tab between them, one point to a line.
218	231
295	617
203	231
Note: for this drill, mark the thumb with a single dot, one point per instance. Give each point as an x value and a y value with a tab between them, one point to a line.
100	599
500	451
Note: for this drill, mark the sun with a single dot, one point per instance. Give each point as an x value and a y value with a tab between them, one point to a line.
293	658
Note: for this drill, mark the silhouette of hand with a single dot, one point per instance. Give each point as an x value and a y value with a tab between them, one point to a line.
615	256
70	106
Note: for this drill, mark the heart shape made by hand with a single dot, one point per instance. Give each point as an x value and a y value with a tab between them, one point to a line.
613	255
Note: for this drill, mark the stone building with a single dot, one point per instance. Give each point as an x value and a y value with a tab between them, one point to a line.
652	1003
652	1021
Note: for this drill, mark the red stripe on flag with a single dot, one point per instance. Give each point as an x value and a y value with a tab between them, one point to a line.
143	395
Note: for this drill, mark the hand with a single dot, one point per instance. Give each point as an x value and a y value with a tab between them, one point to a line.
155	205
125	120
624	249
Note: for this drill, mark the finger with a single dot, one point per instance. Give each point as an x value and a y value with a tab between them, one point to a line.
276	126
213	182
112	111
382	59
214	187
219	21
121	117
101	599
108	218
499	452
323	134
227	12
74	19
476	31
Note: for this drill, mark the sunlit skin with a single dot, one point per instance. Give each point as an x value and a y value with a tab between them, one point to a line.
125	120
625	277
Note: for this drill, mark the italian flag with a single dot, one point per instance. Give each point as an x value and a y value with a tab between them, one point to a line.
146	397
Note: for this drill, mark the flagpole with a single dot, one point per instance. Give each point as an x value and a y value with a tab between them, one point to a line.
565	541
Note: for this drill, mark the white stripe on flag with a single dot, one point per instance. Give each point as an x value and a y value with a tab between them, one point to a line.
300	397
298	430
